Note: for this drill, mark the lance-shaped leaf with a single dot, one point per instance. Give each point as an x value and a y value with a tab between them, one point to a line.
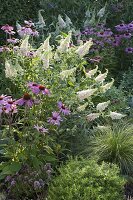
102	106
24	47
84	49
101	77
86	93
66	73
91	72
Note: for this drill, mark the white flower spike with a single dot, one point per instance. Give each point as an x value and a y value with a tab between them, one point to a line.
86	93
102	106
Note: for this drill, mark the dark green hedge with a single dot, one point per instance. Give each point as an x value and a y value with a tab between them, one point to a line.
12	10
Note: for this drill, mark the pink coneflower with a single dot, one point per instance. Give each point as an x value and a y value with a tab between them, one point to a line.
36	88
13	40
29	23
63	108
30	54
4	49
55	119
26	100
24	31
10	106
35	33
8	29
41	129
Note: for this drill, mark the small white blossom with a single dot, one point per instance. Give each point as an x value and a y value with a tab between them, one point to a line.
101	106
115	115
91	72
84	49
101	77
92	116
85	93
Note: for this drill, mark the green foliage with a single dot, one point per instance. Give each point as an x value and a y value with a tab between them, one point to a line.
114	144
86	180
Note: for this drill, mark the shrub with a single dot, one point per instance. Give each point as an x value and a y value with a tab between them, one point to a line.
115	145
86	180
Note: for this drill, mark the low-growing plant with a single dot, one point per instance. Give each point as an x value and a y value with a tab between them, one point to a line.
114	144
84	179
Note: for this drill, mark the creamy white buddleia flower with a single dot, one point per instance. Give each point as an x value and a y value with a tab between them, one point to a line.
92	72
41	22
64	45
10	70
86	93
82	107
61	22
68	20
102	106
24	47
66	73
115	115
84	49
44	52
92	116
107	86
44	47
101	77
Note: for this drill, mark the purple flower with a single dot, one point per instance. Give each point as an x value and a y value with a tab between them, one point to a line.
116	43
13	182
36	88
29	23
24	31
106	33
130	27
8	178
37	185
30	54
4	49
127	35
129	50
35	33
121	28
63	108
55	119
26	100
10	106
8	29
13	40
41	129
3	99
